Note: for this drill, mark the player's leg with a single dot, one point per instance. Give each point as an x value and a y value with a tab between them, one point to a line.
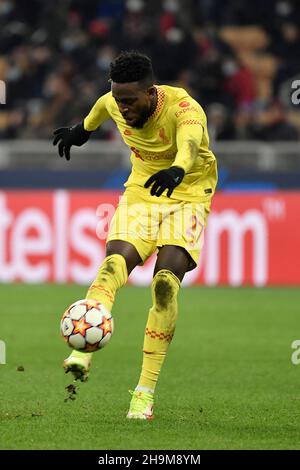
121	258
125	249
180	240
172	263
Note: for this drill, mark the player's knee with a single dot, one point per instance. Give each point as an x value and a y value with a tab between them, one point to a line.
126	250
173	258
165	288
111	267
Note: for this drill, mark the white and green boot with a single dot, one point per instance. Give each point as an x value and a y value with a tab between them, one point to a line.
141	405
78	363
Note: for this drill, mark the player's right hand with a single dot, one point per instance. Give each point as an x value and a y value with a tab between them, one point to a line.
165	179
65	137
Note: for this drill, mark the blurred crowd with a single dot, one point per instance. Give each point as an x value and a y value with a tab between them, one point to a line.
238	58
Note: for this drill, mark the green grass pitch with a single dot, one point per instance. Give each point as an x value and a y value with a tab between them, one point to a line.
228	381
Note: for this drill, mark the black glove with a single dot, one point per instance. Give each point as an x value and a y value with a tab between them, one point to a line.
165	179
68	136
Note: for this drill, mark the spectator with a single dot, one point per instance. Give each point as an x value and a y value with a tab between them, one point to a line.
54	59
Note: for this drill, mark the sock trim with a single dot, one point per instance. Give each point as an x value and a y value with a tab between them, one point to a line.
168	272
104	290
140	388
162	336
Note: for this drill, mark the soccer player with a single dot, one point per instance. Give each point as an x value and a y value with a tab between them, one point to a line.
164	206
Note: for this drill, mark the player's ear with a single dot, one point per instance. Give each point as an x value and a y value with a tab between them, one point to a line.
151	90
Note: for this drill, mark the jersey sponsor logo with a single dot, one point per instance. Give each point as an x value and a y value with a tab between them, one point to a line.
184	104
162	135
128	132
154	157
137	153
185	110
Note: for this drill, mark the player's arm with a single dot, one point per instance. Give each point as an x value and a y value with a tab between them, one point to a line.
189	133
79	134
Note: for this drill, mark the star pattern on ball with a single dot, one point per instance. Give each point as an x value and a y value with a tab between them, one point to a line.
80	326
106	326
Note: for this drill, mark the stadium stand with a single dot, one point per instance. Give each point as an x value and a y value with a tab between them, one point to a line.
238	61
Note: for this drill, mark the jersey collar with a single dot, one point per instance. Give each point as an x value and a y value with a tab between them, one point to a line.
160	102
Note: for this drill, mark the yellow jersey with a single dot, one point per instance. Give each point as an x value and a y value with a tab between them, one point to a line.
163	141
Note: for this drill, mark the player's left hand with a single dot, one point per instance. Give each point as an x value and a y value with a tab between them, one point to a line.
165	179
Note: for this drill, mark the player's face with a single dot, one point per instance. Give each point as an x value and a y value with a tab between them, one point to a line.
135	102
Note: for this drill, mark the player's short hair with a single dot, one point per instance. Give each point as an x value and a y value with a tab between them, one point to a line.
131	66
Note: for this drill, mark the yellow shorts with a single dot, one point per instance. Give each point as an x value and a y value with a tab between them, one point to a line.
149	225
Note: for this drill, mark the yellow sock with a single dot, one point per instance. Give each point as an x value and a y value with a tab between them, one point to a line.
160	327
111	276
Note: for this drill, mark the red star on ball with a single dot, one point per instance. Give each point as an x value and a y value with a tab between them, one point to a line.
80	326
106	326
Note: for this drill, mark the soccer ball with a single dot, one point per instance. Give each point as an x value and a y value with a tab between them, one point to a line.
87	325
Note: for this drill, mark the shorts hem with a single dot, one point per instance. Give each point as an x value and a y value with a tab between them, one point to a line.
124	239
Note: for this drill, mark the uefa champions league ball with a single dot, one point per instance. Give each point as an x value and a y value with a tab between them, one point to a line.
87	325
